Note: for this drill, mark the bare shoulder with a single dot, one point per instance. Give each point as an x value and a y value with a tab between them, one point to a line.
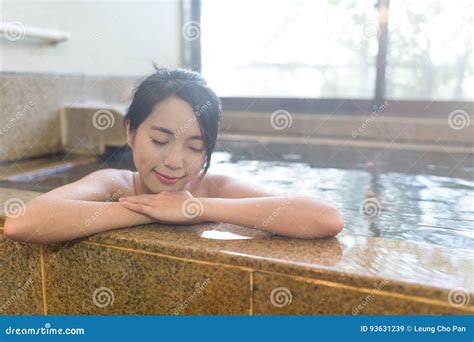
224	186
100	185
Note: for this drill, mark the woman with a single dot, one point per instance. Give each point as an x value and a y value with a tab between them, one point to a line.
171	126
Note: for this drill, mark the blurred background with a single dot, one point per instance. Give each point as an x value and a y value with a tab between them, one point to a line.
400	50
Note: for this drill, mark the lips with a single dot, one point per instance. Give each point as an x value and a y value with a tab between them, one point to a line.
166	179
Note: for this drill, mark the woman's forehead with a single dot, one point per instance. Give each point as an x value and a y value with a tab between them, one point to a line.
176	116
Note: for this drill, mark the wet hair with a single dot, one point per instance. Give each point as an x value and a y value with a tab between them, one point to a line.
186	85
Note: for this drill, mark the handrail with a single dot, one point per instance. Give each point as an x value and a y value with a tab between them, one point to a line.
14	31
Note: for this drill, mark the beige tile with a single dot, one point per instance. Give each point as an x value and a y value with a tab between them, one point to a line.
128	282
401	128
30	105
283	295
86	130
20	278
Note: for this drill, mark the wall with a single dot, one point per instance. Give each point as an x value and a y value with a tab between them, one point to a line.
106	37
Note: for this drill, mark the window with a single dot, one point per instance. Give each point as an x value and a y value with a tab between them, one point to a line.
293	48
328	50
430	50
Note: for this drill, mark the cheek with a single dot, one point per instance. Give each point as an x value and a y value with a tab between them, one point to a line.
142	154
196	164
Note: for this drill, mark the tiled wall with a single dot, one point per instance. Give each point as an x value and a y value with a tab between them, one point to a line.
88	278
30	104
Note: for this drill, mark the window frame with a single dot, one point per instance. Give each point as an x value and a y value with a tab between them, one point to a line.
191	11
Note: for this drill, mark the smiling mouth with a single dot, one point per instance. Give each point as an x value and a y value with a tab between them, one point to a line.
167	177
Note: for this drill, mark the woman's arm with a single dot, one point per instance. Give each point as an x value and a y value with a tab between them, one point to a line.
75	210
234	201
301	217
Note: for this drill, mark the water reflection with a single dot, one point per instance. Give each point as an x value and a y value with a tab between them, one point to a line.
218	235
422	208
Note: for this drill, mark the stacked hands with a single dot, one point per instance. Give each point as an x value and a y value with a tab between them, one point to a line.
167	207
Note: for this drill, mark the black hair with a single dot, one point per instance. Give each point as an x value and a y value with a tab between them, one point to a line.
186	85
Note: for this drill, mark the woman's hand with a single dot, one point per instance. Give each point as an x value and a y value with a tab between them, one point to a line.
167	207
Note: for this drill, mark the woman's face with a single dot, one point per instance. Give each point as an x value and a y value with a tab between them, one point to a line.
168	142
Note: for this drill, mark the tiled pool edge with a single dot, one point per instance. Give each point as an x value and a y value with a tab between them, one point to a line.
259	293
397	302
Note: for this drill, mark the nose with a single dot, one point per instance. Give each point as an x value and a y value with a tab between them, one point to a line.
174	159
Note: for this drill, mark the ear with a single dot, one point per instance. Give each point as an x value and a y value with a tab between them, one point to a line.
130	135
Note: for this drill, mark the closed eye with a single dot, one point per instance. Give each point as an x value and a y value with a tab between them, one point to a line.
156	142
196	149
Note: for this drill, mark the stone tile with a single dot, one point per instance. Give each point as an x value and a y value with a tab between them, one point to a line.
20	278
403	128
410	268
30	106
84	278
283	295
87	130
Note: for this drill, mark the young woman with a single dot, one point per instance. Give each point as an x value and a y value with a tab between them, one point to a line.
171	126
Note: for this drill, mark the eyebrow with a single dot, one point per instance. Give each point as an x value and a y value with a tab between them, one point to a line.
167	131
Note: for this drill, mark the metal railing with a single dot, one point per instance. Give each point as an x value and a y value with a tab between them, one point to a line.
15	31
